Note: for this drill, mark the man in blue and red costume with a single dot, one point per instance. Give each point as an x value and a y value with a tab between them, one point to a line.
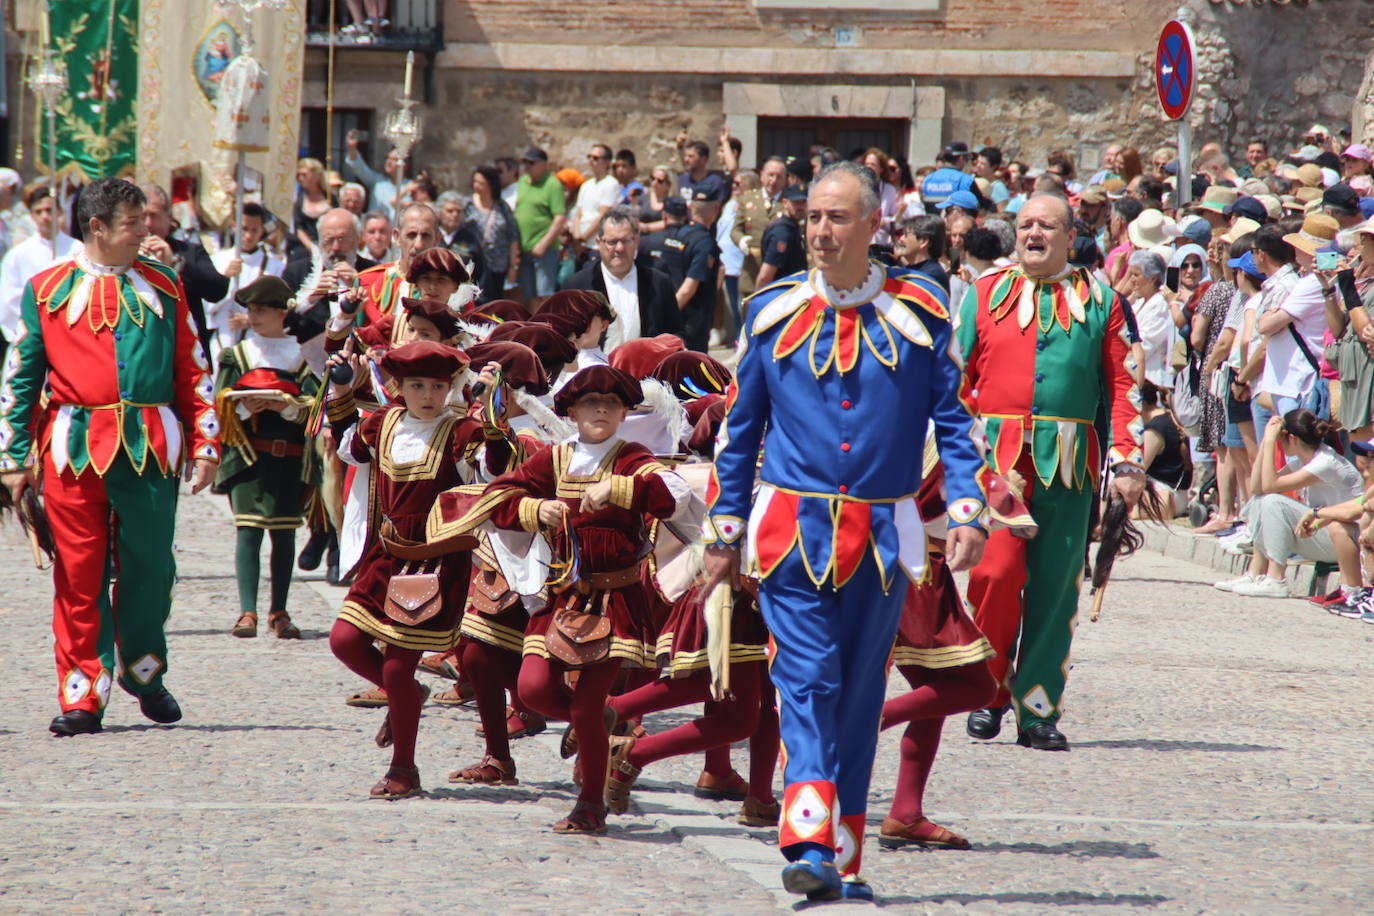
841	371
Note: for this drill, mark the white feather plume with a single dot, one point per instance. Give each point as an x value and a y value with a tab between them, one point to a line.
312	279
558	429
465	295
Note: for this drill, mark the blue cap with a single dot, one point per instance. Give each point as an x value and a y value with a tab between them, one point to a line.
1246	262
1198	231
962	199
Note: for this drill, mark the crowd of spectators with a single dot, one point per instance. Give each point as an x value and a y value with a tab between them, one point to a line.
1248	302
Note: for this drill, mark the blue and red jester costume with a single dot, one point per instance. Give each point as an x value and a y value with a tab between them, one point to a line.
838	388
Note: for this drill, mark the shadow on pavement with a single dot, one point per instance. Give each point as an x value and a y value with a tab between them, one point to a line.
1165	744
152	727
1092	849
1062	898
498	794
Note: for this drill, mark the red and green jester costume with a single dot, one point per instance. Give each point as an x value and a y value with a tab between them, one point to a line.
106	392
1040	357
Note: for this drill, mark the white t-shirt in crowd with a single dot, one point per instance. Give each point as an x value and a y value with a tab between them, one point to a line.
731	255
592	195
1155	323
1340	480
1287	371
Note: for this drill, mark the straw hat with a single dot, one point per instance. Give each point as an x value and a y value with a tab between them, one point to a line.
1150	229
1242	226
1318	229
1217	198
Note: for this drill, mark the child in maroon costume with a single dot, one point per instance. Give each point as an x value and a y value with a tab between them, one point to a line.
599	488
491	644
943	656
419	451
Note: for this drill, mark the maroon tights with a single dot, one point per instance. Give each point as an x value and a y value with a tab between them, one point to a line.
542	688
394	672
935	693
750	714
492	671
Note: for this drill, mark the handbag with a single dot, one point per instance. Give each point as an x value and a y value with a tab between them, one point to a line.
578	638
1313	399
413	597
491	593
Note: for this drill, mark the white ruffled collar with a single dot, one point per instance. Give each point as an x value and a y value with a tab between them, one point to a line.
866	291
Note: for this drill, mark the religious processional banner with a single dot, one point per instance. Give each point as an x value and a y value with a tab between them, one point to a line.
185	49
95	119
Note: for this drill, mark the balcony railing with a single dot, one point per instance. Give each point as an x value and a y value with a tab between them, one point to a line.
410	25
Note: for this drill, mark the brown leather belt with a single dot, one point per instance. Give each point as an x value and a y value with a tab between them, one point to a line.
406	549
609	580
277	448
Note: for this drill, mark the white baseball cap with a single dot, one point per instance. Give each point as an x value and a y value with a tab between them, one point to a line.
10	178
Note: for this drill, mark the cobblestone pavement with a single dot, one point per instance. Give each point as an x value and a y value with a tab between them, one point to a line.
1221	762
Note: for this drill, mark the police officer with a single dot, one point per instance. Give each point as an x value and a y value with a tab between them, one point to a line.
685	249
782	249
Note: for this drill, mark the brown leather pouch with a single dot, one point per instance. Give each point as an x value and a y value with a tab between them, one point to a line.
413	597
578	639
491	594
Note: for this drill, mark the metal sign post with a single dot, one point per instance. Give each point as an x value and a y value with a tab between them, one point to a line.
1175	83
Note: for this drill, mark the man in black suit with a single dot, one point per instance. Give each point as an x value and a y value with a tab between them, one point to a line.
191	261
339	238
642	296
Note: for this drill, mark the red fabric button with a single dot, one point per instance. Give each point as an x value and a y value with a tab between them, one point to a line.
846	405
844	489
844	446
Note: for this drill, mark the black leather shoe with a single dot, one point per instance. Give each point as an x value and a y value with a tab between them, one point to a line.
75	722
1042	736
160	706
313	551
985	723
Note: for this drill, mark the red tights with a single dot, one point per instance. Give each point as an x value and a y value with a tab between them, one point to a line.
394	672
935	693
542	688
751	714
492	671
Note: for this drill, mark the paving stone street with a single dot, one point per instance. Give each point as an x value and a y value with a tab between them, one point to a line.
1222	762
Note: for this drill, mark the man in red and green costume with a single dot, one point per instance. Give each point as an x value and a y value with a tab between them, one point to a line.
384	286
106	396
1044	346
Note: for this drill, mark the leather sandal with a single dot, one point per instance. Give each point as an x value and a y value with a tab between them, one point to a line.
399	782
435	664
460	694
921	832
586	819
519	724
490	772
371	698
721	788
568	746
383	738
755	813
246	627
279	622
621	776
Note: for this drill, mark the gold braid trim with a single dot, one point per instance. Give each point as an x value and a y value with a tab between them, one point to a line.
529	513
622	491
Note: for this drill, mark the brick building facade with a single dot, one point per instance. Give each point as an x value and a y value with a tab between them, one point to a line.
908	75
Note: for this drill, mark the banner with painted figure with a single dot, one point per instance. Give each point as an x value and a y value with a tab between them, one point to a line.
186	53
96	119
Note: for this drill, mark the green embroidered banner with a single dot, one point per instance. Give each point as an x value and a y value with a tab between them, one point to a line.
96	120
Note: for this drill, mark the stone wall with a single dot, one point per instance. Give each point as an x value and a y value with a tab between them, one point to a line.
1271	69
559	75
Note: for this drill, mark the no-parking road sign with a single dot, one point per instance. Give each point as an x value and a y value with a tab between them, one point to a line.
1175	69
